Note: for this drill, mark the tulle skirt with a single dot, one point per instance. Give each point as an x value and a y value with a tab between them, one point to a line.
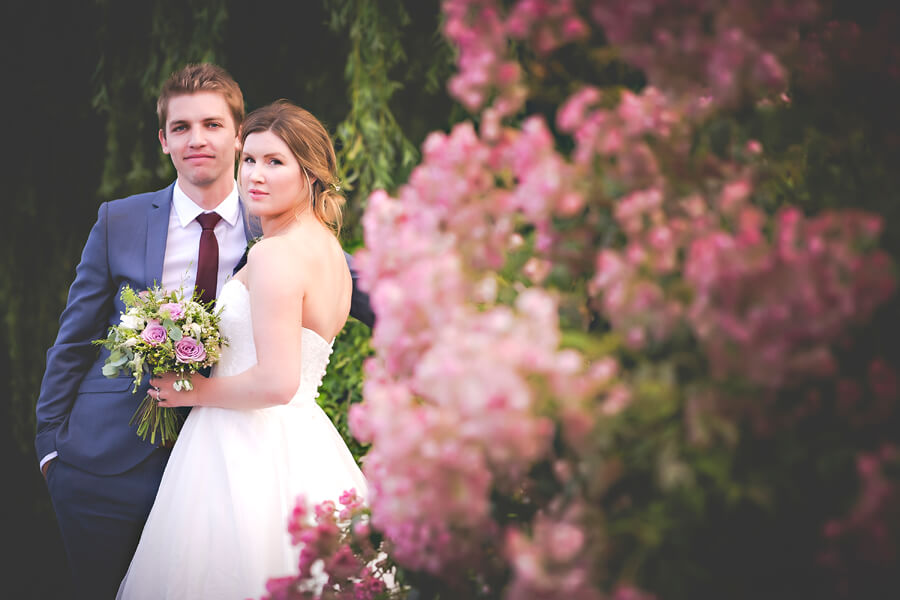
218	527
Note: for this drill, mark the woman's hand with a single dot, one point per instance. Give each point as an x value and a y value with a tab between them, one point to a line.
162	390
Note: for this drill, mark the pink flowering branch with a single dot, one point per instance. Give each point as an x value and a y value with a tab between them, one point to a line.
486	397
338	559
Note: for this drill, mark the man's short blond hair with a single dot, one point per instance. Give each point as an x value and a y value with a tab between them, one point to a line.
202	77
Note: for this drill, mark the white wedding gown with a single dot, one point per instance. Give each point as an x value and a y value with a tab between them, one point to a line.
218	527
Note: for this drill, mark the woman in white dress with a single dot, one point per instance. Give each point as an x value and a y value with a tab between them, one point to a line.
256	440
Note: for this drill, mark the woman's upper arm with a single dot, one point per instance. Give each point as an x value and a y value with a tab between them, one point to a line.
276	303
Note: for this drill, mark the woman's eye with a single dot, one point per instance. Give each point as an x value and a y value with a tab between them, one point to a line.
274	161
247	159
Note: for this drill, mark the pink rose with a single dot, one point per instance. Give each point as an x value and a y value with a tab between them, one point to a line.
342	564
154	333
175	309
188	350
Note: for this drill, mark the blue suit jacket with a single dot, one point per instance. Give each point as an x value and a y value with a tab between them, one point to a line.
80	413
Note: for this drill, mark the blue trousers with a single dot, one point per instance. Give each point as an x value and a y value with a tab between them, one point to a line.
100	518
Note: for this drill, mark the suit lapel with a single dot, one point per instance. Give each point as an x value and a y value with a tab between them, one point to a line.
157	233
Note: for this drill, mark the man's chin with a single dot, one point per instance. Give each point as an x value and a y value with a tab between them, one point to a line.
202	179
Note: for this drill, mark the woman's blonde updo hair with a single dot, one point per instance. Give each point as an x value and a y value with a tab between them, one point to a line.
311	146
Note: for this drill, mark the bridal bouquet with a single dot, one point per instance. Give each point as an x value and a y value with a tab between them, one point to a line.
161	332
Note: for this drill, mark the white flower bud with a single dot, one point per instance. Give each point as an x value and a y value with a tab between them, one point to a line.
131	322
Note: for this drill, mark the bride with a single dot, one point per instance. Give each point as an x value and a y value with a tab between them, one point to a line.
256	439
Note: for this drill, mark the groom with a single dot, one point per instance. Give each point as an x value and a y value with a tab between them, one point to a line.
101	476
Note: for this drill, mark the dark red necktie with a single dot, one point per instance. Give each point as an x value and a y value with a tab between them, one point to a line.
208	259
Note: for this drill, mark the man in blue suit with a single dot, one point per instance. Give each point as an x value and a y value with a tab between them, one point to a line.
101	476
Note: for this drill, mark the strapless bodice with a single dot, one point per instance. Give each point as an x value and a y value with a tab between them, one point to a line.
236	326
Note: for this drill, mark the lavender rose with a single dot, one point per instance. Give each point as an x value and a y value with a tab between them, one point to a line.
175	309
154	333
188	350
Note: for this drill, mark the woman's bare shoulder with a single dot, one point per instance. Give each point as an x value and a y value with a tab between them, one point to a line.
275	257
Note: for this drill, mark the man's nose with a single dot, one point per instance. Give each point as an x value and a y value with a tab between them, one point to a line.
197	137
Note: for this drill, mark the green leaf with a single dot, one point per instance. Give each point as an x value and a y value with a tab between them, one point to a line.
174	332
117	358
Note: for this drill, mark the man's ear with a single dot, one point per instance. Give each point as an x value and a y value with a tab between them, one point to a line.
162	141
237	144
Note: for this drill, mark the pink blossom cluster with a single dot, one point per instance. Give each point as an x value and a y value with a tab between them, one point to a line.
620	136
545	184
770	310
452	389
481	32
546	24
724	48
765	309
550	562
440	243
869	533
477	28
640	286
337	558
467	411
555	560
682	256
415	270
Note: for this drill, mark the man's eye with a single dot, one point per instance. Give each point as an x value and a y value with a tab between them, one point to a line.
214	125
178	128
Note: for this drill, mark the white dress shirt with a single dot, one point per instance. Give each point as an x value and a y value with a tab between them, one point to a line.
183	243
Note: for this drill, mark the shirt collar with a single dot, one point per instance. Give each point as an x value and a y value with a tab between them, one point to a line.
186	210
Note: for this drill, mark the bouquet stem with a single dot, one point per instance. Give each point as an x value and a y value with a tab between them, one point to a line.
154	419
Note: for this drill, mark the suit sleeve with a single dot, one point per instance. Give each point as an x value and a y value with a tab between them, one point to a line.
359	303
84	319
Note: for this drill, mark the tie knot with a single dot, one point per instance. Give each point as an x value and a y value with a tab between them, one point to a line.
208	220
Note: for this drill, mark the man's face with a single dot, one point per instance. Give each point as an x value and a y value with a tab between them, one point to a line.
201	138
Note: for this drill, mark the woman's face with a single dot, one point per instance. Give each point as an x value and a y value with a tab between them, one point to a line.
272	182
